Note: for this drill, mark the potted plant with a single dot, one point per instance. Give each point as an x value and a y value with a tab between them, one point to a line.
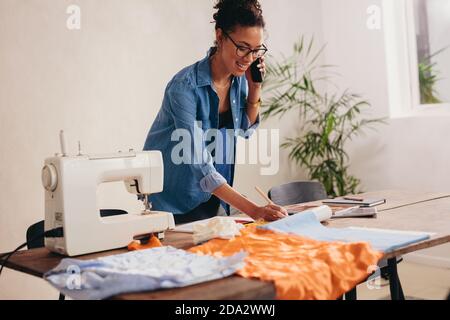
428	78
327	120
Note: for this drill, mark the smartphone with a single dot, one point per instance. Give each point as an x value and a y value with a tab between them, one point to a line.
256	74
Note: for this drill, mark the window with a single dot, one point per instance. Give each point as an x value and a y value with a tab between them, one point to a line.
418	56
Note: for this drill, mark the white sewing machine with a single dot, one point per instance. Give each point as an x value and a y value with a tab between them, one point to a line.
70	184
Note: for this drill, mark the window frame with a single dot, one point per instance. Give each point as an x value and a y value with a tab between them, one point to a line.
402	63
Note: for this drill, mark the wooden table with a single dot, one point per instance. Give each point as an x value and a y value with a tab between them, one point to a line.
404	210
408	211
36	262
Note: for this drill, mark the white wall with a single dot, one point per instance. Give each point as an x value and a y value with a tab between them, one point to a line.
408	153
103	85
286	22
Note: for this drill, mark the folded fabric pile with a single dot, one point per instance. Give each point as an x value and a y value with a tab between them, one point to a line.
143	270
300	268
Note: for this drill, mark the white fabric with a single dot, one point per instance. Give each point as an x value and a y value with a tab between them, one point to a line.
217	227
142	270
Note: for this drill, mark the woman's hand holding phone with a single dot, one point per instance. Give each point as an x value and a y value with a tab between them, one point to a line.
254	90
255	73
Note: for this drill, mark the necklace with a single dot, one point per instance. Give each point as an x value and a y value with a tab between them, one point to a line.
213	59
222	87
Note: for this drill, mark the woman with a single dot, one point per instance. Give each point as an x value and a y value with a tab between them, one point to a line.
215	93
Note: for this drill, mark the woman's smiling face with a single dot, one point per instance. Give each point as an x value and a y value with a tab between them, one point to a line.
244	38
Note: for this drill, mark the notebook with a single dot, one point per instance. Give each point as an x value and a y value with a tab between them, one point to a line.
356	212
362	202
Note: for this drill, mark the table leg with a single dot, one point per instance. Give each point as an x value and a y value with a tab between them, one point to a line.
394	281
351	295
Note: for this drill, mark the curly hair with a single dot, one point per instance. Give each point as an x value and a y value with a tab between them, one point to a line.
232	13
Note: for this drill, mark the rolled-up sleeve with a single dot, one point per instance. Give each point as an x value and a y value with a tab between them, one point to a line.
183	108
212	181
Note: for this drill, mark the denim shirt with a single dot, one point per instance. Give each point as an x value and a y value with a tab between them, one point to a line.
191	105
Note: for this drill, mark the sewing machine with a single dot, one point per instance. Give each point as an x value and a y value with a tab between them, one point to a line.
70	184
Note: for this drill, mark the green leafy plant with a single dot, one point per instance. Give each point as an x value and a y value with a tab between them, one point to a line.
428	77
326	121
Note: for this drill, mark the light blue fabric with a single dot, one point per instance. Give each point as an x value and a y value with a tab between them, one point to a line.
190	103
143	270
306	224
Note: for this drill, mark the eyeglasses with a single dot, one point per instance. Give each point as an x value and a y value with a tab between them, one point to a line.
243	51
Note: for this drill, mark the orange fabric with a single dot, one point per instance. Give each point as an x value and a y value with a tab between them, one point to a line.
256	223
301	268
152	243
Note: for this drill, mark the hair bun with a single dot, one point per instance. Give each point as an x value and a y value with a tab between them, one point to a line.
231	13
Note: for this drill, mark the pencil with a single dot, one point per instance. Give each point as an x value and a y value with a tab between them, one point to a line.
264	195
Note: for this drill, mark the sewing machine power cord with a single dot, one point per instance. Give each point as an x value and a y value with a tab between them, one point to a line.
53	233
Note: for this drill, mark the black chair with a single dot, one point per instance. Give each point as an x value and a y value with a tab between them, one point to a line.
35	233
305	191
297	192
